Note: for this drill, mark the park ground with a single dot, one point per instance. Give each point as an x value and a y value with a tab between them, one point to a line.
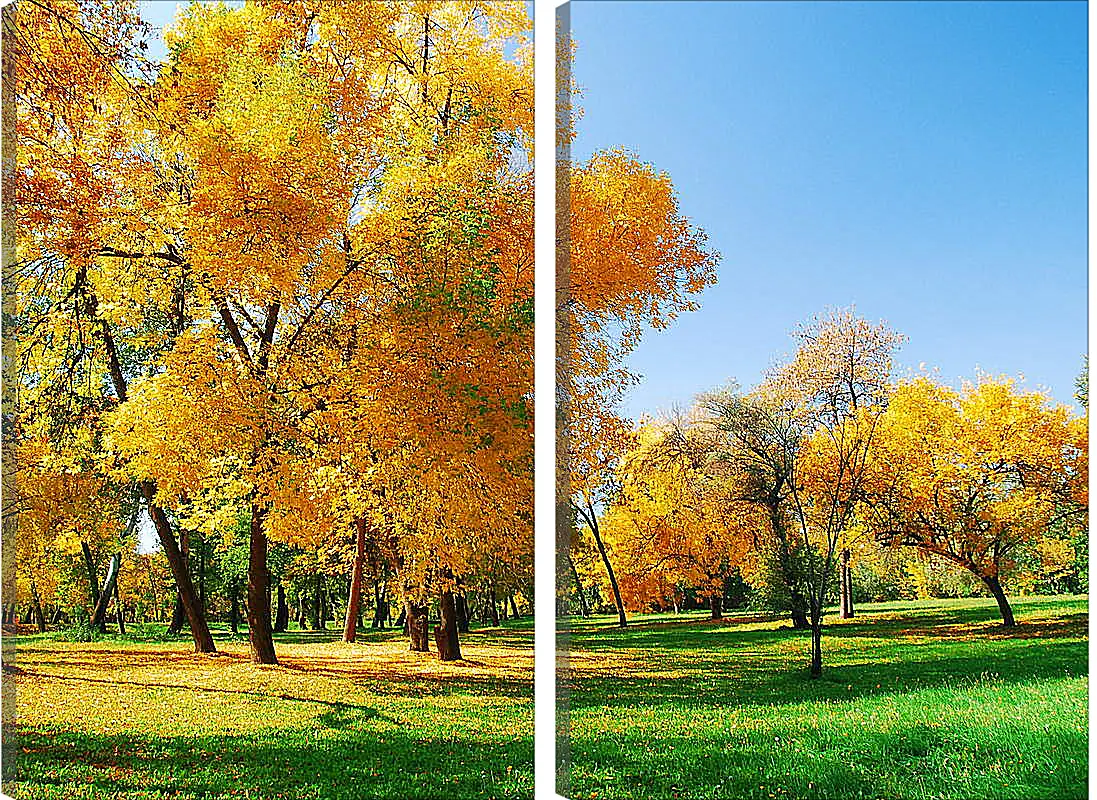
930	699
124	718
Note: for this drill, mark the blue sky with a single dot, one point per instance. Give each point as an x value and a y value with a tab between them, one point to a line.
159	14
925	161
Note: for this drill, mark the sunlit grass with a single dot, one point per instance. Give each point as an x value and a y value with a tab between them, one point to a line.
917	700
131	719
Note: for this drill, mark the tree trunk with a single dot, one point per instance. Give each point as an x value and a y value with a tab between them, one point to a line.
259	628
317	615
445	632
234	610
119	608
302	610
325	603
583	606
281	615
196	615
99	616
179	614
513	608
845	584
93	577
402	619
380	606
716	603
493	608
37	607
799	612
462	606
816	645
417	628
996	591
592	524
354	597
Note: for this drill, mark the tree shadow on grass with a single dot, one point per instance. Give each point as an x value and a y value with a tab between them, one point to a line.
885	623
343	765
384	680
764	677
360	711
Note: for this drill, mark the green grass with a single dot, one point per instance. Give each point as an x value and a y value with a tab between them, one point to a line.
917	700
136	717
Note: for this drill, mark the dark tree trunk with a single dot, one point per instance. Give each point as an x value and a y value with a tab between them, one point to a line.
37	607
513	608
259	628
845	575
445	632
325	603
716	603
799	612
816	645
493	609
178	613
93	576
317	617
119	608
99	616
462	607
302	610
592	524
995	587
584	607
402	620
380	606
281	615
354	597
196	615
178	616
417	628
234	609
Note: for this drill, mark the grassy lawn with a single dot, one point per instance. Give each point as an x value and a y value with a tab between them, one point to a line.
917	700
132	719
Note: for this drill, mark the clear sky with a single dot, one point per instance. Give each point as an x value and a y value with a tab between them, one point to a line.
925	161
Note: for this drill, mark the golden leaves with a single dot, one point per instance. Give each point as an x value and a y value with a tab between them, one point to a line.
973	474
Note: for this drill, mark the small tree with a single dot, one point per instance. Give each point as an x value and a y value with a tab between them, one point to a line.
836	387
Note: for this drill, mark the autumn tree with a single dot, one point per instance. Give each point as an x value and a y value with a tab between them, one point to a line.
836	387
673	522
634	263
974	476
81	118
755	441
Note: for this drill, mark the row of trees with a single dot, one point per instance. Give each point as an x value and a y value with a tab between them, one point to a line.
830	462
285	276
310	589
